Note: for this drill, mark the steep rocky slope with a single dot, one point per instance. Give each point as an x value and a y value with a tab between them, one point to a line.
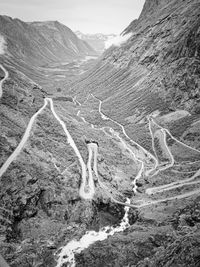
156	72
150	85
37	49
40	206
157	69
42	42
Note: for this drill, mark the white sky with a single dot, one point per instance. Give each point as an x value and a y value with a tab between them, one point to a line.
88	16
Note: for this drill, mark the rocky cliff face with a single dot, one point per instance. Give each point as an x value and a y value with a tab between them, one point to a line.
156	69
156	72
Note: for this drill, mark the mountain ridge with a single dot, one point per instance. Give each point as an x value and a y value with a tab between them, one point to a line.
33	47
156	51
41	35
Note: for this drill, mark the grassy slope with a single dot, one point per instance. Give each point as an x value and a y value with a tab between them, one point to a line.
157	69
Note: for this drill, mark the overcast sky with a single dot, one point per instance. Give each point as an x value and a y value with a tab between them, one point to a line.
88	16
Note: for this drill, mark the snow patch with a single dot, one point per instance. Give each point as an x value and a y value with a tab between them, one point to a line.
118	40
2	45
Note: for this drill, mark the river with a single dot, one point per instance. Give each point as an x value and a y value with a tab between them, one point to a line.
67	253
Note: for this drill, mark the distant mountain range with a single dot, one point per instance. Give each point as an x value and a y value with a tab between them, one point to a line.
96	41
42	42
30	46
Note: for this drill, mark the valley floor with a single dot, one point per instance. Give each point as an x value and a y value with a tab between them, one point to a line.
89	160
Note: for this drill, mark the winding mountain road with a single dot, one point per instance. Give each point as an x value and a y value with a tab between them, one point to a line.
87	188
176	184
94	149
104	117
25	137
67	253
86	191
174	138
155	169
162	138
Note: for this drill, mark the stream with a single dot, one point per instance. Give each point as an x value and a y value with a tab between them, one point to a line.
67	253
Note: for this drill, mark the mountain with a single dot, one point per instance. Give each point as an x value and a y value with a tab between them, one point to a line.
32	47
42	42
154	74
156	69
111	161
97	41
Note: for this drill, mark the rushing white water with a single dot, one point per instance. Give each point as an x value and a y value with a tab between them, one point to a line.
67	254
